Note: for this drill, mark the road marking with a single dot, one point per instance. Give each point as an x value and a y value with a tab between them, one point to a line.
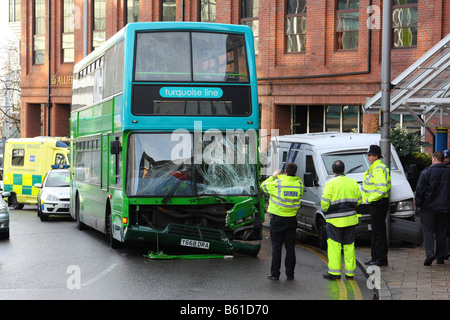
100	275
356	289
342	287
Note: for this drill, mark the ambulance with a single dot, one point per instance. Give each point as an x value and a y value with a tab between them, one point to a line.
314	154
26	161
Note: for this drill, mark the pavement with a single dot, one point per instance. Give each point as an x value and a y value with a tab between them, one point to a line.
405	277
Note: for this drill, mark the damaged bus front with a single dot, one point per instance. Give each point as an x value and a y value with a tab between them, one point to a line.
206	200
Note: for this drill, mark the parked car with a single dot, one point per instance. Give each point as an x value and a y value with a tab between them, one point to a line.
4	216
54	197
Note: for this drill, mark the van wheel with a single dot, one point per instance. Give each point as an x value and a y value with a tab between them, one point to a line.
14	202
322	233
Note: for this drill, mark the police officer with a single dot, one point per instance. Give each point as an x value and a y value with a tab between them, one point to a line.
285	191
340	198
376	189
447	157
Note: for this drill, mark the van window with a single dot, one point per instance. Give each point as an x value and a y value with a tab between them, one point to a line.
18	156
309	166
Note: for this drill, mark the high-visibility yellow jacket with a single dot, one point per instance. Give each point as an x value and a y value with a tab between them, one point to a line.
285	193
376	182
340	198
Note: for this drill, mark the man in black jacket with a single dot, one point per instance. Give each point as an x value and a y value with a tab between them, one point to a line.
433	202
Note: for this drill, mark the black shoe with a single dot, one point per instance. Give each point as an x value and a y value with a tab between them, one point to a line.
330	276
380	263
271	277
349	277
440	261
370	262
290	278
429	261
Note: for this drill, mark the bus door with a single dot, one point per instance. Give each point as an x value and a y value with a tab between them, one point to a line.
105	162
115	161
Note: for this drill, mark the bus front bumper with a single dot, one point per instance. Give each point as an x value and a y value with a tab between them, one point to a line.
177	235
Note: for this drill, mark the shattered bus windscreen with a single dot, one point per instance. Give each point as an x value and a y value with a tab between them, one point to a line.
172	165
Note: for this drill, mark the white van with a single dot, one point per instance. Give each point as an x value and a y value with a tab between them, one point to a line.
315	153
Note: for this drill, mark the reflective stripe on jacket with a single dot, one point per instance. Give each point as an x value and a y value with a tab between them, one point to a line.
339	200
376	182
285	193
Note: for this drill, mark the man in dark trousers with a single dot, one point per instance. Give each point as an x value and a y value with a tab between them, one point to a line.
433	202
285	191
376	188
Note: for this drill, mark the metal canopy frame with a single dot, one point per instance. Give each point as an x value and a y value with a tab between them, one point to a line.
423	89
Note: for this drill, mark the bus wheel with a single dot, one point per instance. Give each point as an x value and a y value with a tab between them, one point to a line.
80	225
113	243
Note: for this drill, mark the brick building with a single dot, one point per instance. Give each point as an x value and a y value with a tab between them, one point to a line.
318	61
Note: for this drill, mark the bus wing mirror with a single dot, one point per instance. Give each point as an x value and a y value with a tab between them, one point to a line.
115	147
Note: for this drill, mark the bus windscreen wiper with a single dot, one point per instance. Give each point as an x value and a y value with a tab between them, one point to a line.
171	192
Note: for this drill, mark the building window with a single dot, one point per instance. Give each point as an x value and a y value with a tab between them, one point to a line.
14	10
39	32
342	118
404	23
169	10
68	29
296	26
132	11
99	34
207	10
406	121
250	17
309	119
347	24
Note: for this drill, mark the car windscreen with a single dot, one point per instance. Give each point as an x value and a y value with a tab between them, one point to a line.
57	179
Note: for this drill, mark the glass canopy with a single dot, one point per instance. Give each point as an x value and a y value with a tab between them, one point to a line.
423	89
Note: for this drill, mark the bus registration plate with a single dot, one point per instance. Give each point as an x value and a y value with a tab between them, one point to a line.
195	243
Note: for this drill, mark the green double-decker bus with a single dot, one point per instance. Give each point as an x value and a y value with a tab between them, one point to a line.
164	138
